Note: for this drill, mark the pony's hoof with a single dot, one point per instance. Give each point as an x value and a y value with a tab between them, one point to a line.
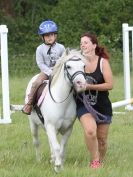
52	161
58	168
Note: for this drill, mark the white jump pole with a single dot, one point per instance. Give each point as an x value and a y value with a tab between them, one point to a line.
126	62
5	76
122	103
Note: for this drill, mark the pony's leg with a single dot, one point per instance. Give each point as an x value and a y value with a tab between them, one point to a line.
63	143
52	160
36	143
51	132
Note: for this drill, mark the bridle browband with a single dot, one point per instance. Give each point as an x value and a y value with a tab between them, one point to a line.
71	78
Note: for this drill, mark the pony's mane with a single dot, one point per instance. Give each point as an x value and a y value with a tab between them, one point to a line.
60	62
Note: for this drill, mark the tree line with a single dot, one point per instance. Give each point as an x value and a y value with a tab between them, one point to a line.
104	17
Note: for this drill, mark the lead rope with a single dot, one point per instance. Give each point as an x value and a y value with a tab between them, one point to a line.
91	110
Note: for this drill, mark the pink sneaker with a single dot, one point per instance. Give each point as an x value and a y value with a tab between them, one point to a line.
95	164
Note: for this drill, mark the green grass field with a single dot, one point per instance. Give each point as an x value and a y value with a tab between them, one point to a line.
17	155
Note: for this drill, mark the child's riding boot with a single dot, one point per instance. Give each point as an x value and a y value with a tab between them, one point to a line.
28	106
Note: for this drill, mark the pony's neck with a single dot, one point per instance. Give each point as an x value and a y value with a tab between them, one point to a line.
61	88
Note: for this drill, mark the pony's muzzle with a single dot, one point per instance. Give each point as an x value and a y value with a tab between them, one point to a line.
80	85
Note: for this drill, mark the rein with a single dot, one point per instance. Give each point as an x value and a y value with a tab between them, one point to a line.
52	95
71	78
90	109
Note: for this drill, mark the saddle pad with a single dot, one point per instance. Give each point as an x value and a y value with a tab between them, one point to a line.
42	96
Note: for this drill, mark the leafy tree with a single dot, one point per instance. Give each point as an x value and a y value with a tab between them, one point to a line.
73	17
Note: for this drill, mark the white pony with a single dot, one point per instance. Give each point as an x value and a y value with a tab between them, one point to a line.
58	107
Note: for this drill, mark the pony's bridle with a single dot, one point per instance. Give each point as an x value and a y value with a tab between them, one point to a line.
71	78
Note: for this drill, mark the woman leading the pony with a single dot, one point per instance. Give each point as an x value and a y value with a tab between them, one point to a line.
46	56
99	81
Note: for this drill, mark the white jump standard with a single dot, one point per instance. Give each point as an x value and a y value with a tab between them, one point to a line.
5	76
126	62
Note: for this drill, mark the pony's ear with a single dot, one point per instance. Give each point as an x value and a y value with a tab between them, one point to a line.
67	51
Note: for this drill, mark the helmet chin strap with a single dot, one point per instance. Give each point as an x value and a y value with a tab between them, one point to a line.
50	46
49	43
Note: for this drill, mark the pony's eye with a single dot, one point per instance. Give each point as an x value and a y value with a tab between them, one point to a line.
68	67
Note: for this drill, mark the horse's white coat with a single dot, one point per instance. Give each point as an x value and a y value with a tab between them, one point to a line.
59	116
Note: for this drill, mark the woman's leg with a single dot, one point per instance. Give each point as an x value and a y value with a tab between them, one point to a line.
102	134
28	106
90	131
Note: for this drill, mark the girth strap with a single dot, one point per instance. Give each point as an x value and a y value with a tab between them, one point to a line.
38	111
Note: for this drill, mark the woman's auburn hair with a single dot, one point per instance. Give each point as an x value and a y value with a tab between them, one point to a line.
100	51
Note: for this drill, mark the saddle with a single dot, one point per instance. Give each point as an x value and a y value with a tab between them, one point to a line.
38	98
39	94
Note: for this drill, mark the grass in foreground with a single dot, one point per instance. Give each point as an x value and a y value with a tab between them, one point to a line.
17	155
